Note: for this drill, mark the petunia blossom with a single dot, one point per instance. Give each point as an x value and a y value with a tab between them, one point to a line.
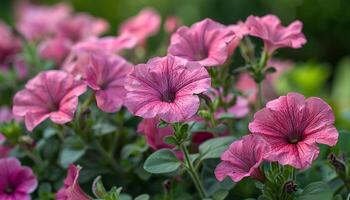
240	30
36	22
274	34
205	41
81	26
71	189
9	46
166	87
77	60
55	49
106	76
145	24
293	125
242	159
17	182
153	134
171	24
51	94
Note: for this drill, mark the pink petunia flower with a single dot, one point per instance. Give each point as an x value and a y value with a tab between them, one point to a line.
71	189
171	24
166	87
106	76
78	58
293	125
9	46
205	41
145	24
35	22
52	94
243	159
153	134
55	49
81	27
17	182
240	30
275	36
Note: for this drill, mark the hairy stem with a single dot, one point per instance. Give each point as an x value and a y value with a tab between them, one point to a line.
193	172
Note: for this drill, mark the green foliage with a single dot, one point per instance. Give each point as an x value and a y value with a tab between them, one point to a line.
316	191
162	161
213	148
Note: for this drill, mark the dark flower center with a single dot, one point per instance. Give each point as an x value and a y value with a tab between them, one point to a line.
200	55
9	189
168	96
294	138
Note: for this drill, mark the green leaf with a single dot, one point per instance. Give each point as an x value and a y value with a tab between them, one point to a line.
343	144
270	70
213	148
142	197
220	195
98	188
162	124
316	191
170	140
161	161
72	149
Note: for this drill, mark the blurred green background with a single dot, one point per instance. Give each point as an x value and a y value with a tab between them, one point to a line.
323	67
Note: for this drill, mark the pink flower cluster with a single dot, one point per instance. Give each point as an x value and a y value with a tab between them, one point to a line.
288	131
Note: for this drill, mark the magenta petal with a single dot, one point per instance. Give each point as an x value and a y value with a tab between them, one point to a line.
52	94
243	159
21	179
141	26
205	41
106	75
293	126
166	87
270	29
71	189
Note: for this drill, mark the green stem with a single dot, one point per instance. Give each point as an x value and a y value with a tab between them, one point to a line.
107	157
193	172
294	174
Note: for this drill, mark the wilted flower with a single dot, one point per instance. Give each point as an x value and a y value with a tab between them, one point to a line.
141	26
293	125
166	87
81	27
9	46
154	135
52	94
243	159
205	41
17	182
275	36
171	24
55	49
35	22
71	189
106	76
